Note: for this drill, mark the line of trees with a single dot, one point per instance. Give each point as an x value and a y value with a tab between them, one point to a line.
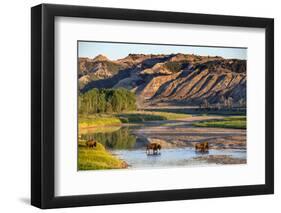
106	101
224	103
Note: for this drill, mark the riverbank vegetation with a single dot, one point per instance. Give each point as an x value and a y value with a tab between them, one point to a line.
112	107
118	139
98	120
143	116
235	122
116	119
97	158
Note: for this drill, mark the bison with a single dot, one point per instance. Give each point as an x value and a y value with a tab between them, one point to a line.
154	147
202	147
91	143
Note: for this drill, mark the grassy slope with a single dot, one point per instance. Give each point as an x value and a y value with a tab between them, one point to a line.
98	120
141	116
130	117
97	158
235	122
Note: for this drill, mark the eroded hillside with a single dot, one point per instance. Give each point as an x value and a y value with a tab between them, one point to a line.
172	79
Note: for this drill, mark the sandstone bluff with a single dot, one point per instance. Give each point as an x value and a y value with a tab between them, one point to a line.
175	79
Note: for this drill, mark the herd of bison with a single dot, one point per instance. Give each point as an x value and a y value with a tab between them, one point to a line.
154	148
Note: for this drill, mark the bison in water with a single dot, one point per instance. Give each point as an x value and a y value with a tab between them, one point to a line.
91	143
202	147
153	149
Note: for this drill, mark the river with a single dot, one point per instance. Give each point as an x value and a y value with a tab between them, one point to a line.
177	138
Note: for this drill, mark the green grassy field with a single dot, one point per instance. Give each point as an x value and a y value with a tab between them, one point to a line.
99	129
142	116
98	120
97	158
235	122
130	117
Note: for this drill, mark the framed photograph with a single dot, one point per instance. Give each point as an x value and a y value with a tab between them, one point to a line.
141	106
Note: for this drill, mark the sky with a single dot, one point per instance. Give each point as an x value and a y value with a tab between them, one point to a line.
115	51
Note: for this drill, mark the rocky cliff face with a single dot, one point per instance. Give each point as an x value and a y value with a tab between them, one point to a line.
168	79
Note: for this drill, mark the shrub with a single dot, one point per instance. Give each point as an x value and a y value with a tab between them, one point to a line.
173	66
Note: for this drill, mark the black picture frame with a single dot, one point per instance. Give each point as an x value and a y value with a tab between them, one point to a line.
43	102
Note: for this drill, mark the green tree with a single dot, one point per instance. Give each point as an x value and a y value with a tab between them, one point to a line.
101	102
106	100
116	102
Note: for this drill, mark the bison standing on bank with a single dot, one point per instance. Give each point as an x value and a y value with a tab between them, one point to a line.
91	143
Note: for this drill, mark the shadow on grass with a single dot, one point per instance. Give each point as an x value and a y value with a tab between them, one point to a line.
138	117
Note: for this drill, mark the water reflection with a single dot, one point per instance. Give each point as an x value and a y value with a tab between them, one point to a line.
118	139
129	144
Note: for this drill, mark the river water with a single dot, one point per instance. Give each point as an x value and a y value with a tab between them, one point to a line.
175	157
129	144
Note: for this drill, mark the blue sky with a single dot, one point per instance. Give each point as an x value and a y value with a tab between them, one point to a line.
120	50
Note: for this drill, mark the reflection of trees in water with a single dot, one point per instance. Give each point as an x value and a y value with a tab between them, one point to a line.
120	139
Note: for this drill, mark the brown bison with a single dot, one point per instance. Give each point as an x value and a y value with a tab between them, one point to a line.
202	147
153	149
91	143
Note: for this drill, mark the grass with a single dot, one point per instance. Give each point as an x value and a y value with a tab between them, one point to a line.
98	120
142	116
235	122
139	117
116	119
99	129
97	158
171	115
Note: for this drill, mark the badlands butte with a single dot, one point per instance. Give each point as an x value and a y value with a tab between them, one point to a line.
168	80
